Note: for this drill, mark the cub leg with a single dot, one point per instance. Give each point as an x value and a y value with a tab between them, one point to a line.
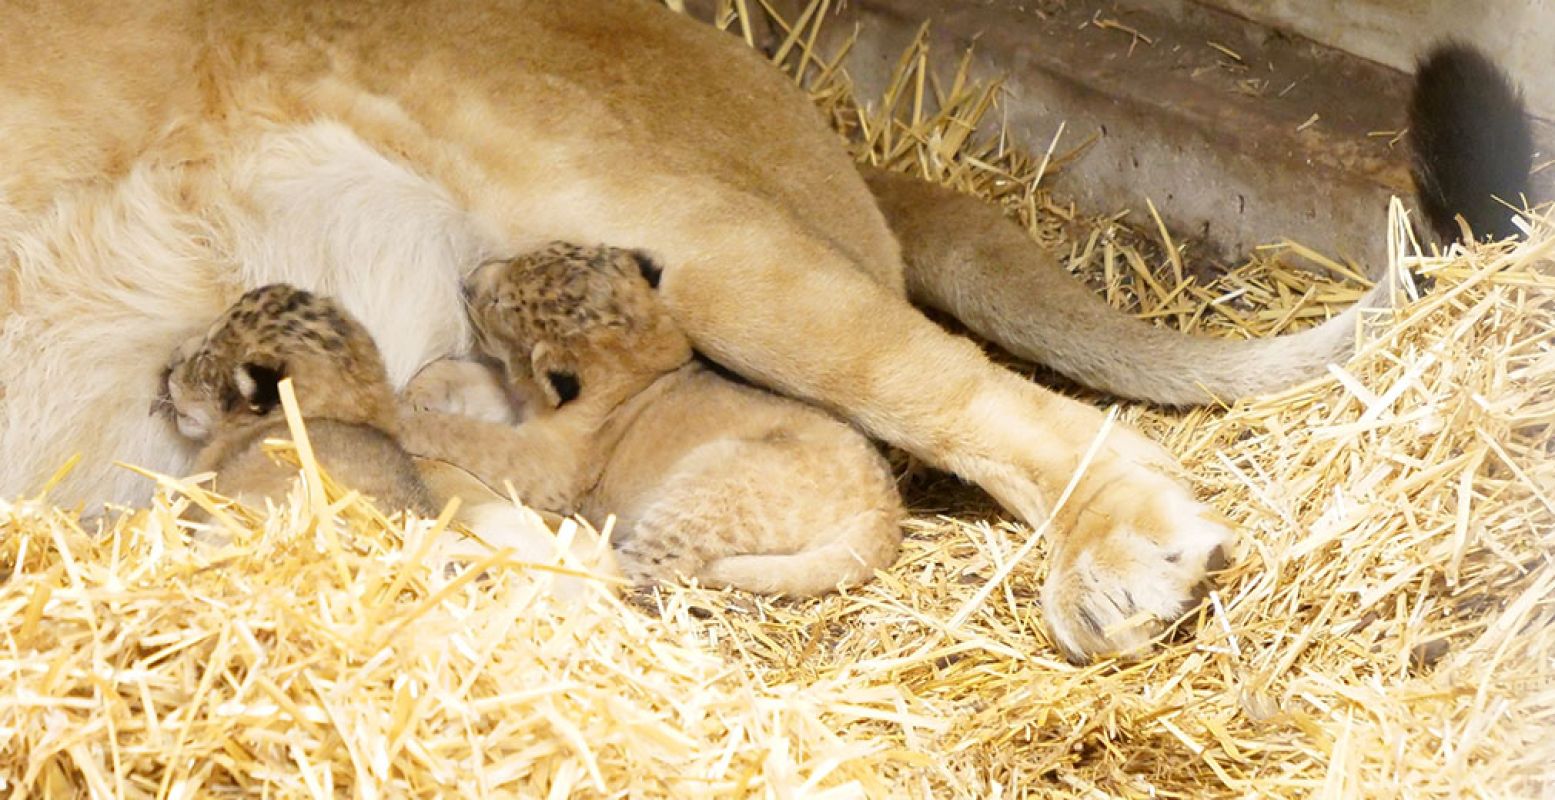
466	388
771	517
1130	547
547	464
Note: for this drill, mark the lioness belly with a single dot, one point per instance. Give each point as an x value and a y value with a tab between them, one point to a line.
371	154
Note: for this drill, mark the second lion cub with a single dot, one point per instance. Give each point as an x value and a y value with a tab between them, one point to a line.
221	388
708	478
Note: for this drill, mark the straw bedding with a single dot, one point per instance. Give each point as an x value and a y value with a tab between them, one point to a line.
1385	630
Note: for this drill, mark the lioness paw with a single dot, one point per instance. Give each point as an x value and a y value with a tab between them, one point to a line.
1136	560
466	388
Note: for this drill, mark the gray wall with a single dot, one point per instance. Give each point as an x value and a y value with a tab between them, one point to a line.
1519	33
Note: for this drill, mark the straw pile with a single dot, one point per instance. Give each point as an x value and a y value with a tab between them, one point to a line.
1385	631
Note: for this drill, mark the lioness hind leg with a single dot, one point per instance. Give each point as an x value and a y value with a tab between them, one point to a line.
1132	546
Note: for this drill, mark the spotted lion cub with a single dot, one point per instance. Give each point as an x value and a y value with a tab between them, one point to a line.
222	388
708	478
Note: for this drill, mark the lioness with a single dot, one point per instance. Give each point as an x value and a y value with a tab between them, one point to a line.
161	157
707	478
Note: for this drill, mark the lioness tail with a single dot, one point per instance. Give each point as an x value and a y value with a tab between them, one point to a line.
964	258
1471	143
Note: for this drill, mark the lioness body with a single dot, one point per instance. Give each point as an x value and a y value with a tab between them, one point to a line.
706	478
158	158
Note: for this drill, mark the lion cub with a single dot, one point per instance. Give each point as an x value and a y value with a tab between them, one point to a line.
708	478
221	388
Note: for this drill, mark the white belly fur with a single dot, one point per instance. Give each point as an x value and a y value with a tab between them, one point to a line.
116	275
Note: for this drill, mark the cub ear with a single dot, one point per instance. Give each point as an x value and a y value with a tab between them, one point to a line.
259	386
649	268
560	385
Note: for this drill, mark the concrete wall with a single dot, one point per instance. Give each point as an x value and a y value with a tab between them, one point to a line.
1227	167
1519	33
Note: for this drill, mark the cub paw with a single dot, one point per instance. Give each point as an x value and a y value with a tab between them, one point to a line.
1136	559
465	388
501	525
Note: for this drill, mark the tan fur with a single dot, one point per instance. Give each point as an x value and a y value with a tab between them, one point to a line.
161	156
220	387
983	270
706	478
467	388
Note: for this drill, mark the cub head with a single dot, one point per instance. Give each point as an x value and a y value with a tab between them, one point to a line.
230	375
567	321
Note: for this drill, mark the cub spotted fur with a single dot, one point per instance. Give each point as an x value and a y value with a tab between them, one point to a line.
707	478
221	388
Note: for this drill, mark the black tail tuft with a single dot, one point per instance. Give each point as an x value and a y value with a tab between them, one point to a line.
1471	142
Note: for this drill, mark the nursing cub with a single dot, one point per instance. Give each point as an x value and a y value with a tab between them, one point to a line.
222	388
707	478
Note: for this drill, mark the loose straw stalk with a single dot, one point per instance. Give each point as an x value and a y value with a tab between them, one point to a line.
1384	631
